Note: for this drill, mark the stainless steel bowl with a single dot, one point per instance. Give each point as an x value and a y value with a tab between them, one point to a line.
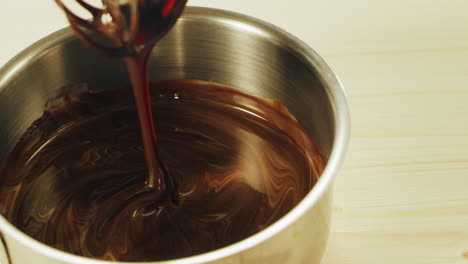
206	44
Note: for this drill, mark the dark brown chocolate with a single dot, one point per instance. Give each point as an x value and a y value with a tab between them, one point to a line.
76	179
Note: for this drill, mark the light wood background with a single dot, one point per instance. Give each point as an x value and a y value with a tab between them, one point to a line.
402	195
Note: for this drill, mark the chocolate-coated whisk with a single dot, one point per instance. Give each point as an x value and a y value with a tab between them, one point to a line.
111	29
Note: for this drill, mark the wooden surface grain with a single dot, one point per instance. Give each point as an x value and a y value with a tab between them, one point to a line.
402	195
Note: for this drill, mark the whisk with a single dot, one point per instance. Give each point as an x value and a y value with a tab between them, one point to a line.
120	28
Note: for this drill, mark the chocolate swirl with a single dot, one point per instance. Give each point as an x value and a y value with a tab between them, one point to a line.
75	180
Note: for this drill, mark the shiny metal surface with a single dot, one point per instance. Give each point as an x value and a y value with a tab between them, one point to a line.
205	44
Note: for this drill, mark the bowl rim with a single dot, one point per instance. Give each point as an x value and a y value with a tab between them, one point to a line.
328	78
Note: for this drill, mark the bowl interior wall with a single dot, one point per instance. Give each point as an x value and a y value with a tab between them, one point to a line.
221	50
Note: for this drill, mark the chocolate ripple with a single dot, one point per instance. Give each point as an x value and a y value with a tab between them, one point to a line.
75	180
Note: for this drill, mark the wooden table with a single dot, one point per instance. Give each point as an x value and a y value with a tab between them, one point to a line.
402	195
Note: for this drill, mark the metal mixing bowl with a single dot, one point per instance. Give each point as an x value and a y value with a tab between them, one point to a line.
206	44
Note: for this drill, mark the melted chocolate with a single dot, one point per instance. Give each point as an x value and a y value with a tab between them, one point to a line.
76	179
